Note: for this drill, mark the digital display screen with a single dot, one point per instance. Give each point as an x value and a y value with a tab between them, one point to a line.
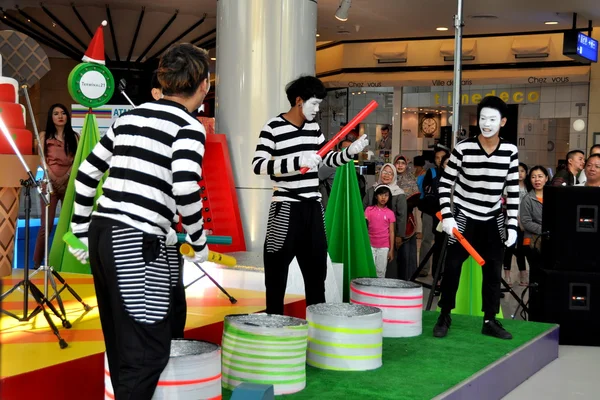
587	47
580	47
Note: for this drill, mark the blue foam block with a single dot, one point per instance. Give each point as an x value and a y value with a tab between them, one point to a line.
253	391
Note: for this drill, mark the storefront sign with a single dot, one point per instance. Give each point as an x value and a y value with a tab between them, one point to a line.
510	96
105	116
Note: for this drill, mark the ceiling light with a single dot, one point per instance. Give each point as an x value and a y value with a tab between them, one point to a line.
551	22
318	35
213	58
441	28
342	11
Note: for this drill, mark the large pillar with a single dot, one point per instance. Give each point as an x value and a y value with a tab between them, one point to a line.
261	46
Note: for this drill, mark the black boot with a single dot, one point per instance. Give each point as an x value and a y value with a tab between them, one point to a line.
494	328
442	325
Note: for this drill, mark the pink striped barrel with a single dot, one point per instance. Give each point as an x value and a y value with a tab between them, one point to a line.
401	303
193	373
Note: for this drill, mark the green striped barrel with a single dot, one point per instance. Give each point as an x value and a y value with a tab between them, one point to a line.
344	337
264	349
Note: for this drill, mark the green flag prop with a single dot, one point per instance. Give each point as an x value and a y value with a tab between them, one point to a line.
468	297
60	258
347	236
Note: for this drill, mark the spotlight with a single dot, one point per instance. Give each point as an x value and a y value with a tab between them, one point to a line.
342	11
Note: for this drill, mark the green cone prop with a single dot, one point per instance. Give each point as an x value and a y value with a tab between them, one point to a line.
60	258
468	297
347	236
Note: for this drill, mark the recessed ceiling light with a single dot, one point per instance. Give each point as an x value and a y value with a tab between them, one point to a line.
213	58
441	28
551	22
318	35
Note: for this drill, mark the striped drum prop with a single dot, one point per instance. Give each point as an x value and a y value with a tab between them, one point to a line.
401	303
193	372
344	337
265	349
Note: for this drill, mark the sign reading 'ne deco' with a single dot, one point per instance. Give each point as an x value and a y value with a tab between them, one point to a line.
91	85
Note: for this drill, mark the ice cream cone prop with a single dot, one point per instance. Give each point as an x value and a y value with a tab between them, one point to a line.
11	169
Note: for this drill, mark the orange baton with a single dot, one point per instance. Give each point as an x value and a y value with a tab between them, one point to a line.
461	239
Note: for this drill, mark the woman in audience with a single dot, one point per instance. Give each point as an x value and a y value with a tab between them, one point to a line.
530	214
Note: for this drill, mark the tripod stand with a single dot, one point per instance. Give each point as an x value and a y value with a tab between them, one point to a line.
40	297
439	271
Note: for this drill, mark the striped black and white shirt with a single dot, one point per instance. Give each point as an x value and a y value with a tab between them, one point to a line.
280	146
479	180
154	157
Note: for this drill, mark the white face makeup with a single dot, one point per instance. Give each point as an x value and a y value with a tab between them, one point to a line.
310	108
490	122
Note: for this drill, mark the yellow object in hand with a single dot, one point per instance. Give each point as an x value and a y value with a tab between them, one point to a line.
218	258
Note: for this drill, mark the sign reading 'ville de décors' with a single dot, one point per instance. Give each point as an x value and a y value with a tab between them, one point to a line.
91	85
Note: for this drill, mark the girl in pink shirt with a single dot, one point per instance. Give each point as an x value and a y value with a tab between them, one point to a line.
380	221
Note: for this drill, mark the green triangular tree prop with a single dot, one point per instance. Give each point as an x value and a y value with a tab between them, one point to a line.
347	236
60	258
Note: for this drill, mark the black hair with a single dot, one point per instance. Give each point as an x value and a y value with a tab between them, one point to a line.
342	141
592	156
572	153
419	161
596	146
305	87
536	168
385	127
69	135
182	69
524	166
439	147
379	190
492	102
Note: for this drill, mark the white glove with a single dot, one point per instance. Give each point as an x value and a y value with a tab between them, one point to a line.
512	238
79	254
171	239
310	160
358	145
448	225
198	257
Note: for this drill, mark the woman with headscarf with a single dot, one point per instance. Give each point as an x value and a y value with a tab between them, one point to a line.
388	176
406	247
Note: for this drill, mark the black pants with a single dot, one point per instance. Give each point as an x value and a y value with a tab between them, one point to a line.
485	237
134	277
295	229
518	251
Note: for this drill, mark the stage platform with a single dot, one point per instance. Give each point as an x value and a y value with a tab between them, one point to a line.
32	365
464	365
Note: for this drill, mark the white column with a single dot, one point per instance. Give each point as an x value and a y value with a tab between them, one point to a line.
261	46
397	122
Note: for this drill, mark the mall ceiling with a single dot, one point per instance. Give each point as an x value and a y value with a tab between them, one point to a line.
66	25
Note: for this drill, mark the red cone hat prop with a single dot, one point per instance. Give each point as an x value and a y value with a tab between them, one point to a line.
95	51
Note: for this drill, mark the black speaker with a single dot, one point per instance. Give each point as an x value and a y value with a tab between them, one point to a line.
570	299
570	226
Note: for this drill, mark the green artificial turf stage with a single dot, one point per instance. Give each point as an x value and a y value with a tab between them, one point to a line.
421	367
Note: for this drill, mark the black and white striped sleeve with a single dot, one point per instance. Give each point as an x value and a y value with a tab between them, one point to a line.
188	154
512	190
447	181
88	176
334	159
263	162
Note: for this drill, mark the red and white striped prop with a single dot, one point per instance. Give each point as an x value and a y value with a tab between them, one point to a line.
401	303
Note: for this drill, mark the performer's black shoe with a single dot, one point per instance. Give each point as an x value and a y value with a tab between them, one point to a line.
442	325
494	328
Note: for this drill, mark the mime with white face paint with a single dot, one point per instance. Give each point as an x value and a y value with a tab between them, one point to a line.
296	227
478	170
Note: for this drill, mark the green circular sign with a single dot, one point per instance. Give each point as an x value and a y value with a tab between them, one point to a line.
91	85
